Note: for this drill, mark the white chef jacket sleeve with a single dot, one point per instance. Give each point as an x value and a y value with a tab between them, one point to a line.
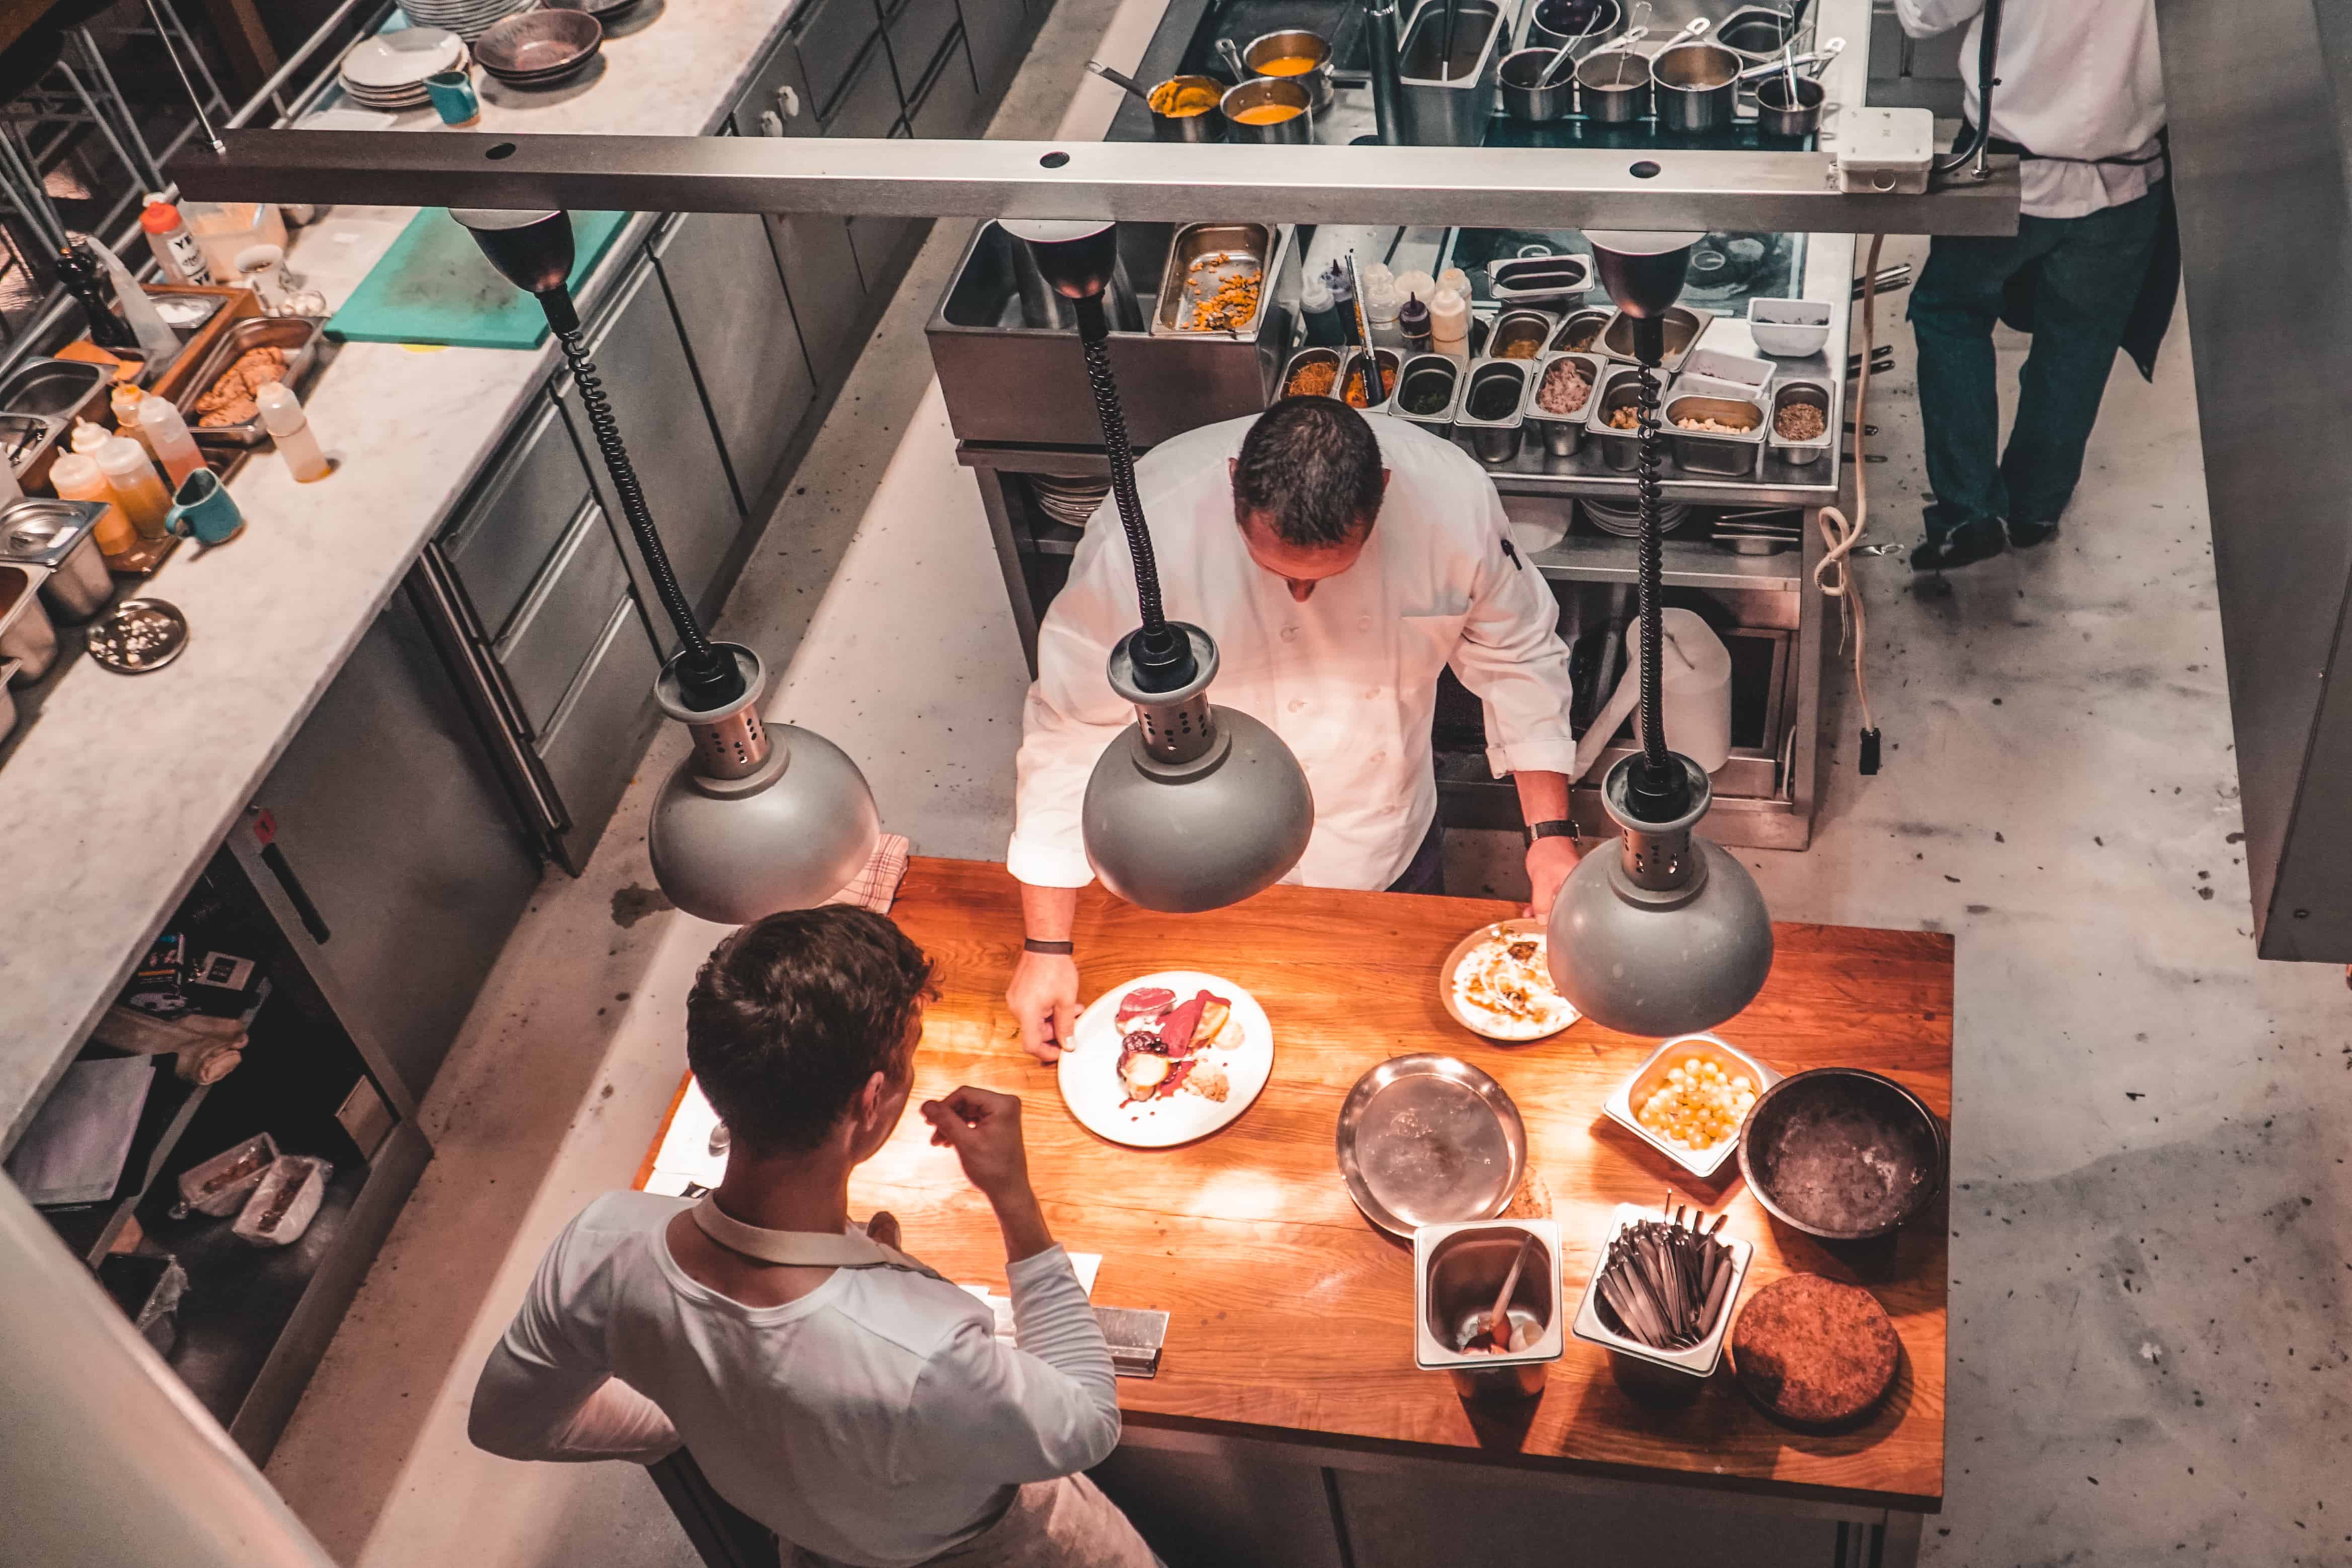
1925	18
1511	657
547	1392
1071	713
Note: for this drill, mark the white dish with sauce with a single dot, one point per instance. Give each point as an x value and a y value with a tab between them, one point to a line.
1494	1024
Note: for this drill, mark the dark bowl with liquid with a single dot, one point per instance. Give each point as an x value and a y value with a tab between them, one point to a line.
1843	1154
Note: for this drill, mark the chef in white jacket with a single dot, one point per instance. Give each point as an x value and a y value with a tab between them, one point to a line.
1340	563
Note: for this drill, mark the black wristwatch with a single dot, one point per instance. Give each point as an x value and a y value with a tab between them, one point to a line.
1558	827
1058	949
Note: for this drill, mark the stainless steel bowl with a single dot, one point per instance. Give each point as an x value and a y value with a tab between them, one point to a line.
1843	1154
539	48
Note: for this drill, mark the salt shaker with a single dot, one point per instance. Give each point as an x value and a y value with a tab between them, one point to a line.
289	427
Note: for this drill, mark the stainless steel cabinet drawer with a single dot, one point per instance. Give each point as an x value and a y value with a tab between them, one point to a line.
827	40
779	101
916	29
560	622
597	738
950	99
869	104
992	31
504	531
821	275
739	326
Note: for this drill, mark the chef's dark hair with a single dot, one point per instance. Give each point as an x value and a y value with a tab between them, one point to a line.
793	1014
1311	467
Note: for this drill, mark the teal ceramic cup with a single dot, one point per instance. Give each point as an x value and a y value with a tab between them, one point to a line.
203	510
453	98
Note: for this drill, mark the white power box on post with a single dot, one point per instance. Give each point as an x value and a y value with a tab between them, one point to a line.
1885	150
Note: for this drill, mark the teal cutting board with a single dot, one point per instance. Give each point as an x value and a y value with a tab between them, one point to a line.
434	285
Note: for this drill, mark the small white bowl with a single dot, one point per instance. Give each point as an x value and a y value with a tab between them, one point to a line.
1701	1163
1789	329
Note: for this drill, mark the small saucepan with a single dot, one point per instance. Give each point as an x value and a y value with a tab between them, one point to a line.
1269	110
1787	107
1694	85
1183	108
1294	55
1612	85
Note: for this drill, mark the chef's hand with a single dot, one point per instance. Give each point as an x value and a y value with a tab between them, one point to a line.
1549	863
1044	996
984	1130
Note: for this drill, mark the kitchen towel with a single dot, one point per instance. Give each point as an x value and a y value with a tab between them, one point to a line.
75	1149
876	887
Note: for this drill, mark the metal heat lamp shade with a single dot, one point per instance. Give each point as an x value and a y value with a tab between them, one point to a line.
1669	936
756	820
1193	807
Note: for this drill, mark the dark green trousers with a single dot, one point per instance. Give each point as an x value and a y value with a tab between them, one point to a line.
2090	272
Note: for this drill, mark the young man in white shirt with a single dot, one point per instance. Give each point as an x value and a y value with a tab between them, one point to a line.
2081	98
1341	563
827	1385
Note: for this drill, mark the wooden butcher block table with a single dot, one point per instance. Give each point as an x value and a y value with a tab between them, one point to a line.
1290	1315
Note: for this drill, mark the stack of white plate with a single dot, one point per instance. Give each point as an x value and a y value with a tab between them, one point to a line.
1070	502
466	19
1623	519
388	70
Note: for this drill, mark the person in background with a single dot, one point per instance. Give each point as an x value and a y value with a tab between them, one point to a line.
2093	266
827	1385
1341	563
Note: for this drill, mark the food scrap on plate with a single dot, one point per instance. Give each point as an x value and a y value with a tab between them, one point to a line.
1503	988
1161	1041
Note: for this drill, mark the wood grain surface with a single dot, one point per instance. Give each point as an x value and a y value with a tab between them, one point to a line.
1243	1235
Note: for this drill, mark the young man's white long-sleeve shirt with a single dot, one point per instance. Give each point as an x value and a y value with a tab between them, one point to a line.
876	1420
2079	81
1347	677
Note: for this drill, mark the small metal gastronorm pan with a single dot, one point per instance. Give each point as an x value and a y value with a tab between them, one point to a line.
1683	328
1580	332
30	441
1620	387
1802	452
1306	358
1387	359
1491	420
1539	279
55	387
1429	389
1623	1105
1698	1360
1563	432
1526	331
1201	258
1457	1272
297	335
1731	454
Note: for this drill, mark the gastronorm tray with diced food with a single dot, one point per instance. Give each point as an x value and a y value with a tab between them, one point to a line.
1215	278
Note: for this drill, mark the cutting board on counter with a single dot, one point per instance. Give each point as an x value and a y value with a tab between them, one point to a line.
434	285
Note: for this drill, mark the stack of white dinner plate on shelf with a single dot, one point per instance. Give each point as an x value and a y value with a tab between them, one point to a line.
388	70
1068	501
466	19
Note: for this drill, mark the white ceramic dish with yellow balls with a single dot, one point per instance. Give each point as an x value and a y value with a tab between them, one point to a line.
1660	1072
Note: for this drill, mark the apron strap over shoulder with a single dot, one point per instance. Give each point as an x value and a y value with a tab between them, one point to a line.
802	1249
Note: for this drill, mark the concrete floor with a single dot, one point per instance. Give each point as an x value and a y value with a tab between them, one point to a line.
2149	1339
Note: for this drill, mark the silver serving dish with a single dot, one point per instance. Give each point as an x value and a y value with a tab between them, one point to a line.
59	537
1801	452
298	335
1683	328
1574	326
1539	279
1620	387
1729	454
139	636
1212	254
1416	385
1429	1140
1514	328
1563	432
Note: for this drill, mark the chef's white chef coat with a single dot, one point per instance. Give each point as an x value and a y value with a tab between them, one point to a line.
2077	80
1347	678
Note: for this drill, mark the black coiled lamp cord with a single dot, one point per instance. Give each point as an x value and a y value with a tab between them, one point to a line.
1163	655
707	678
1658	785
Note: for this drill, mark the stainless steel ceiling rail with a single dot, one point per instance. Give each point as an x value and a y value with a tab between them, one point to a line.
1521	187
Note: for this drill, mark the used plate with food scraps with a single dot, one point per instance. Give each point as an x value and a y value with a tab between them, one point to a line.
1495	984
1166	1058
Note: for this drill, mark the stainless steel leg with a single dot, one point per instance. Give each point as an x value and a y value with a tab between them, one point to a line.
1008	560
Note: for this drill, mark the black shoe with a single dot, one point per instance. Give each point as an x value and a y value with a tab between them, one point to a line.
2025	535
1964	546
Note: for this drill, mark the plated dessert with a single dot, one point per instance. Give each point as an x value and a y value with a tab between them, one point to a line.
1164	1058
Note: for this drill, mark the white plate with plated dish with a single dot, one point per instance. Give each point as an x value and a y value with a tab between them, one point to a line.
1098	1096
1481	966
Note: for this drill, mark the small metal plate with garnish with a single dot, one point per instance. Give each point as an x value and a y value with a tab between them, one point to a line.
138	635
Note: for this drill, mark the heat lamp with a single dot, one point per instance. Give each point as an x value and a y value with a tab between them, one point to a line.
1669	936
1194	806
760	818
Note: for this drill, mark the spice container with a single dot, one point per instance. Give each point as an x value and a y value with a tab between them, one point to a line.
60	537
1492	417
1730	454
220	1184
1457	1271
26	634
284	1201
1624	1107
1355	390
1314	372
1683	329
1520	334
1638	1362
1428	387
1620	388
1800	395
1562	429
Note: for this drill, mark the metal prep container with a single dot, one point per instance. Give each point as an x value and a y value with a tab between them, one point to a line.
1528	331
1613	85
1730	455
1542	280
1683	328
30	441
1429	389
1457	1271
27	633
1499	389
1335	357
1574	326
298	335
58	388
1549	26
1388	360
1756	34
1563	432
1620	387
1802	452
59	537
1212	254
1638	1363
1447	103
1693	85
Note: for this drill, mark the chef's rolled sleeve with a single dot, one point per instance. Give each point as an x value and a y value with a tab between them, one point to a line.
1512	659
1071	713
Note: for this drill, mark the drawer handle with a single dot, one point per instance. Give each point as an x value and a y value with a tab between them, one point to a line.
787	107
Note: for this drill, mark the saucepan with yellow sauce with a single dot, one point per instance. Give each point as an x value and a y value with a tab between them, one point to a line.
1184	108
1269	110
1297	55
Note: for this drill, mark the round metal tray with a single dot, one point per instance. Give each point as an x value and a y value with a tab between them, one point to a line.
1429	1140
138	635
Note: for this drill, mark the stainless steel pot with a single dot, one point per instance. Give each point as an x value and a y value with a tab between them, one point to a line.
1552	24
26	634
1523	100
1693	85
1262	93
1778	115
1612	85
1296	43
1208	125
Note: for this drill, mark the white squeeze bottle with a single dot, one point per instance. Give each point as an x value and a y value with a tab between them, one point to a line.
167	433
289	427
1449	325
138	490
1381	303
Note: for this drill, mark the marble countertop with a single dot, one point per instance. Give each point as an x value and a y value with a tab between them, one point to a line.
122	787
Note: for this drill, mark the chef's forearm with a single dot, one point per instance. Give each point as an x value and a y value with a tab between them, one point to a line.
1047	913
1543	795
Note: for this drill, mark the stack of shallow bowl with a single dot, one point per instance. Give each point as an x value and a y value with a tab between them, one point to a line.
540	49
466	19
388	71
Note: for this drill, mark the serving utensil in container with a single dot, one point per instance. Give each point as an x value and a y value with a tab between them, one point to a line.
1455	1271
1788	106
1612	84
1641	1366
